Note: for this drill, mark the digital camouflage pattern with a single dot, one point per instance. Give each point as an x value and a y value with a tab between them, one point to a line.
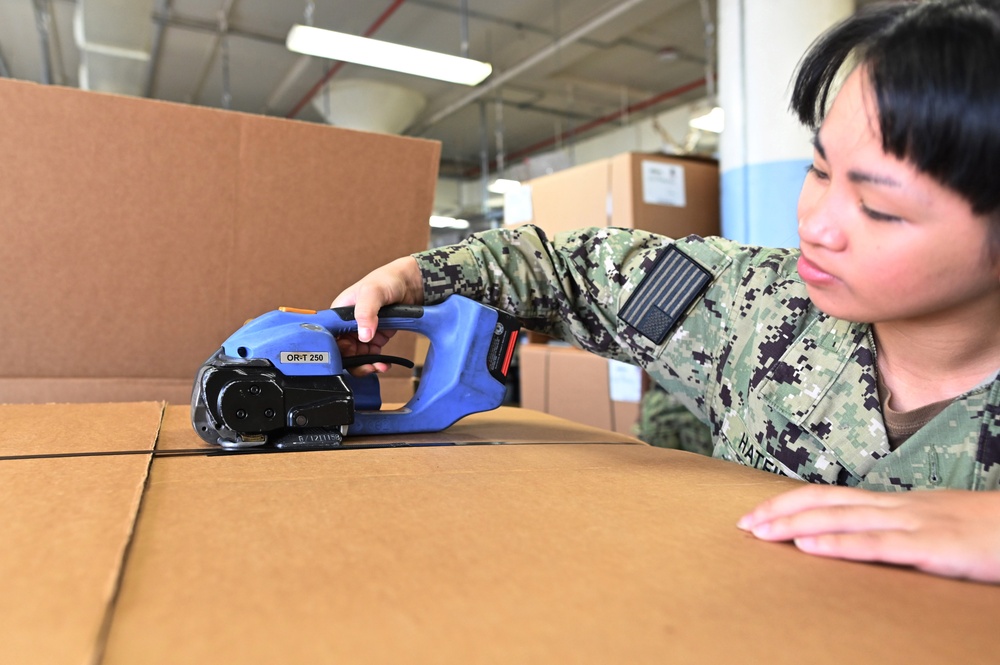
665	422
783	387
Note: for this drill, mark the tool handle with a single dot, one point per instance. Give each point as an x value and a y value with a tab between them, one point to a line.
465	370
303	342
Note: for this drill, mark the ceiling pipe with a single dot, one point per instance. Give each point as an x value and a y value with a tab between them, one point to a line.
175	19
43	23
552	49
4	71
519	26
603	120
295	71
706	18
221	26
337	67
160	18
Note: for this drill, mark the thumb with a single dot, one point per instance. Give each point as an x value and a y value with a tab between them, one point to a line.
369	301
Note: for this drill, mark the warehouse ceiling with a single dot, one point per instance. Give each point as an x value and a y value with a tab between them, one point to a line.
562	69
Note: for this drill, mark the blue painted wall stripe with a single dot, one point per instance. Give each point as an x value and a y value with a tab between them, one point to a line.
759	202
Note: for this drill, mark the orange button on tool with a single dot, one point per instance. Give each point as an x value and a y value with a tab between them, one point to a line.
296	310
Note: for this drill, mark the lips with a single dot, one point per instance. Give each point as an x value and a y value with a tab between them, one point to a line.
812	274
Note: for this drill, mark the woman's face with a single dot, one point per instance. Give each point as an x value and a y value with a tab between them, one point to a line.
881	241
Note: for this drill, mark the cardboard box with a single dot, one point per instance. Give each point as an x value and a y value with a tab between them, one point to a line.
673	196
67	516
586	549
138	235
580	386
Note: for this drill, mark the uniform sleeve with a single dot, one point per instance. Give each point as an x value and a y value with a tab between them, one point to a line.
568	287
607	290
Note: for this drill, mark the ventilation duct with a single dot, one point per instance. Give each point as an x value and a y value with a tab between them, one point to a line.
372	106
115	41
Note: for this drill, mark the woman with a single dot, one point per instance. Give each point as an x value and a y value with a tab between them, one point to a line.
869	358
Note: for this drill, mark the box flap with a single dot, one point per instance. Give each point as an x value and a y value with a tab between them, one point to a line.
134	248
562	553
65	523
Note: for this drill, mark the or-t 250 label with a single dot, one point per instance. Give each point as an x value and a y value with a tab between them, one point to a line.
288	357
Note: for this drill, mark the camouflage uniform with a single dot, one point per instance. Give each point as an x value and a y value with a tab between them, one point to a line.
665	422
783	386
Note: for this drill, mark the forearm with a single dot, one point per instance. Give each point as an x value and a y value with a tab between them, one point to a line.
568	287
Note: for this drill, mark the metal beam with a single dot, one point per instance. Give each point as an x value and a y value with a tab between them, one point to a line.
4	71
549	51
161	15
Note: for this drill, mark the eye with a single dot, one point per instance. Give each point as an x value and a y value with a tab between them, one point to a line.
820	175
878	216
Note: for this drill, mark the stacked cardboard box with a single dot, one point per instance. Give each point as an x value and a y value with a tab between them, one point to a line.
580	386
138	235
672	196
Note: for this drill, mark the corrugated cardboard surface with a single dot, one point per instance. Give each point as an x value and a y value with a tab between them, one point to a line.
572	384
700	213
609	192
573	552
572	199
533	372
65	523
138	235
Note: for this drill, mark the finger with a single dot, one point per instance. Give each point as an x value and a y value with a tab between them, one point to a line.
380	339
832	519
346	298
905	548
886	546
369	301
365	370
809	497
348	345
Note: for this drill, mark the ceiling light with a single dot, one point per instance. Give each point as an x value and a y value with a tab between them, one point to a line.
709	119
439	222
503	185
375	53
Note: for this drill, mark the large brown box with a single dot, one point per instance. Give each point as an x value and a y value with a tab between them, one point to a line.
138	235
579	386
672	196
576	546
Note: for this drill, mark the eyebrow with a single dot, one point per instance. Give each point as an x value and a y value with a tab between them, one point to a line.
856	176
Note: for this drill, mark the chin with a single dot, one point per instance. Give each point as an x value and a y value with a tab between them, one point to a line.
836	307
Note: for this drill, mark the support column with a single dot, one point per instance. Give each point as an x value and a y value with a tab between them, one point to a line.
764	151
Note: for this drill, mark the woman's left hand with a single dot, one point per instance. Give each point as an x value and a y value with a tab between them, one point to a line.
945	532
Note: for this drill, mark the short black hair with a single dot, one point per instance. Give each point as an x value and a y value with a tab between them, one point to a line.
933	68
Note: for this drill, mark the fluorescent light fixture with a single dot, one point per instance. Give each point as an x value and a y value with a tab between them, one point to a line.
503	185
374	53
439	222
710	120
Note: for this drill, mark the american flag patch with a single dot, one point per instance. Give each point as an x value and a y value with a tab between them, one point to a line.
674	282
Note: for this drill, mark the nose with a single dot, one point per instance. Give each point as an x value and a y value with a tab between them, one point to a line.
819	223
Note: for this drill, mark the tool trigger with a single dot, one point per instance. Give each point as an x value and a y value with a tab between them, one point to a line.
357	361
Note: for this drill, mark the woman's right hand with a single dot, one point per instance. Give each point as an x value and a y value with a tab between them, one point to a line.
396	283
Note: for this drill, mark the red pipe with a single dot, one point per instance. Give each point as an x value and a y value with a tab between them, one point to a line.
336	68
